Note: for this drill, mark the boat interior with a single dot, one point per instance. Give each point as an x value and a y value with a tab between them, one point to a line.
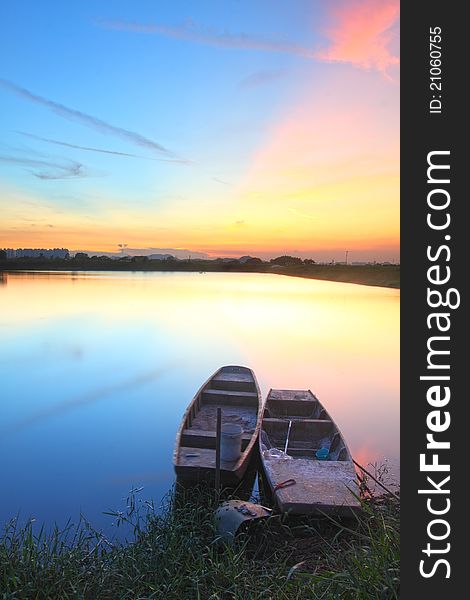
233	389
299	418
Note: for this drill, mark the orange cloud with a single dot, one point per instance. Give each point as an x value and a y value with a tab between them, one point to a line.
362	34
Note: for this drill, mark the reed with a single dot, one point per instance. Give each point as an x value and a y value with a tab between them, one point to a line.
172	553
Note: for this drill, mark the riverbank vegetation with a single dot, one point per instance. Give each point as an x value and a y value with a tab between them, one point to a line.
173	554
384	275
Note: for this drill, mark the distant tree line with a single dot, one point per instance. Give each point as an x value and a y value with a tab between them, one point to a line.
167	262
283	261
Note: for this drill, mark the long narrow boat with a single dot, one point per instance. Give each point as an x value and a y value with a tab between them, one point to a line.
306	461
235	390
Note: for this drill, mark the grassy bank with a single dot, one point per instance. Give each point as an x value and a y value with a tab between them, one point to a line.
376	275
173	555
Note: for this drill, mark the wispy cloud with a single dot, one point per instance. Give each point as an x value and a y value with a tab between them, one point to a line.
85	119
193	32
261	78
101	150
362	32
299	213
66	170
221	181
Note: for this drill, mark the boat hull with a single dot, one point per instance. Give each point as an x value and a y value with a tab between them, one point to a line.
289	454
235	391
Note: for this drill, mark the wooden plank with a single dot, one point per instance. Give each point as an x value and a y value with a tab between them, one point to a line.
321	486
290	395
235	398
192	432
200	438
228	376
201	457
293	403
227	384
297	420
229	394
234	378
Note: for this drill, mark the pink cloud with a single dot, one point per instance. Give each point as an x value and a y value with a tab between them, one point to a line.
362	34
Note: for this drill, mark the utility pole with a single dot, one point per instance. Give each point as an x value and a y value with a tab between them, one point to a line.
347	252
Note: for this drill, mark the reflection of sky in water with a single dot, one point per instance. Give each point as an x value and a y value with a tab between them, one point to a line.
97	369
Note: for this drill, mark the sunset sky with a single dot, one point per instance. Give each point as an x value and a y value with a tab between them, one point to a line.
232	127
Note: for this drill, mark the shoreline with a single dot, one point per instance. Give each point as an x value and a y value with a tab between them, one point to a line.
174	553
387	276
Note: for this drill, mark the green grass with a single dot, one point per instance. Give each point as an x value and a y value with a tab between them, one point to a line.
174	555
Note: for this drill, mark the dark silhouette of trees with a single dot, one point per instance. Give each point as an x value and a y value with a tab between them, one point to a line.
286	261
140	258
253	261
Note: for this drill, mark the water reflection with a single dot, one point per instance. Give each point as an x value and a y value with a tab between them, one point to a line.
90	398
98	368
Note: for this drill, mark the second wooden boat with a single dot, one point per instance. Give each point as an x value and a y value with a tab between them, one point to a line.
305	458
235	390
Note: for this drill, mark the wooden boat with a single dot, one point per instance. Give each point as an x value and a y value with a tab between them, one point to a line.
235	390
295	427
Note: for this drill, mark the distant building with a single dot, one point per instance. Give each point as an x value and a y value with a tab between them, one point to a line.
10	252
41	253
140	259
37	253
161	257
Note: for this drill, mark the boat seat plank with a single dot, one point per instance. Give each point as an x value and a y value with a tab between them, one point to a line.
201	457
200	438
211	434
240	377
286	420
230	393
291	395
234	397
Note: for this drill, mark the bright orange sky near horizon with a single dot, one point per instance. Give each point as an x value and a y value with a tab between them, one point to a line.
237	132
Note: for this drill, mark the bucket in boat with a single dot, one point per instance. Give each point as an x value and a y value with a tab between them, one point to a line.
230	442
322	454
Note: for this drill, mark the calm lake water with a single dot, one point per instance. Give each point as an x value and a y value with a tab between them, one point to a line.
97	369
